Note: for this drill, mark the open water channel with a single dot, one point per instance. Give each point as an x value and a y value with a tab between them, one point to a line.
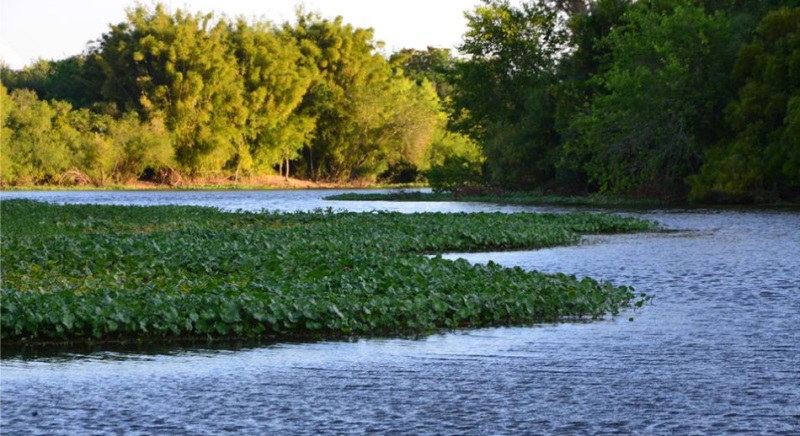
716	352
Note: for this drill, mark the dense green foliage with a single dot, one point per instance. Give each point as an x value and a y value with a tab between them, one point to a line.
82	272
645	98
670	99
501	95
217	97
51	142
660	100
761	156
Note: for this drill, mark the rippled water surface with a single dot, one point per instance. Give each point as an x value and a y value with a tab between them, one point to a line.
716	352
291	200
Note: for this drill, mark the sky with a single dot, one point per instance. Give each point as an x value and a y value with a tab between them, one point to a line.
57	29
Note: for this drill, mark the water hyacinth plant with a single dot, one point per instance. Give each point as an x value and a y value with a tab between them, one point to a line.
106	273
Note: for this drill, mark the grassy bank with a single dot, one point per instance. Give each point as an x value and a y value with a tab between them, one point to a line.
515	198
106	273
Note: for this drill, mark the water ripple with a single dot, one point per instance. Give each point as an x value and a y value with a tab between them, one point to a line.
717	352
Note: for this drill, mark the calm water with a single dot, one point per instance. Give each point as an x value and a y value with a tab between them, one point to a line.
292	200
717	351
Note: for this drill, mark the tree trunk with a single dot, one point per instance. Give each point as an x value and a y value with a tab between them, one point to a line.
311	163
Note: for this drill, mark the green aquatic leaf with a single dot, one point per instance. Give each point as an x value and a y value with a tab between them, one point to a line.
195	271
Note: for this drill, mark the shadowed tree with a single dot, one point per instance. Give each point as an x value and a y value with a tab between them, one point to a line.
502	93
658	100
761	158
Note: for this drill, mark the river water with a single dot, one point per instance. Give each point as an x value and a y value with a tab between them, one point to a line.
716	352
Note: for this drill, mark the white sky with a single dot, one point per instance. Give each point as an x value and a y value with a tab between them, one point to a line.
56	29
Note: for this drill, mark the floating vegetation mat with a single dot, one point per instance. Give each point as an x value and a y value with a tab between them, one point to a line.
77	273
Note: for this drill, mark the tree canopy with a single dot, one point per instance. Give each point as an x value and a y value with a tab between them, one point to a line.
195	94
656	98
675	99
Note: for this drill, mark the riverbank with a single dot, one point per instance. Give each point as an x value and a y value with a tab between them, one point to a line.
536	199
511	198
272	182
88	273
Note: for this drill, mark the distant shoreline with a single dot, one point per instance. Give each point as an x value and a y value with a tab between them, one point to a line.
263	183
521	198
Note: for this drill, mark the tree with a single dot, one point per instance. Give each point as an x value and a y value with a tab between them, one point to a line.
52	142
454	160
77	80
411	118
140	146
588	57
276	77
177	67
761	158
6	164
34	77
93	153
349	76
368	116
503	95
34	138
659	99
432	65
572	7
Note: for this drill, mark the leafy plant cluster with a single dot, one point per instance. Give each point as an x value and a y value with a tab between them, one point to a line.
86	272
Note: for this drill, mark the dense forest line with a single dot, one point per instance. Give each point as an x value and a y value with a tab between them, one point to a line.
673	99
176	95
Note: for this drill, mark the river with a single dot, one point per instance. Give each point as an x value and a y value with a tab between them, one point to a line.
716	352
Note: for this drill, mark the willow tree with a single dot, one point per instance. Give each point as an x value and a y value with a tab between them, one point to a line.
415	120
177	67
